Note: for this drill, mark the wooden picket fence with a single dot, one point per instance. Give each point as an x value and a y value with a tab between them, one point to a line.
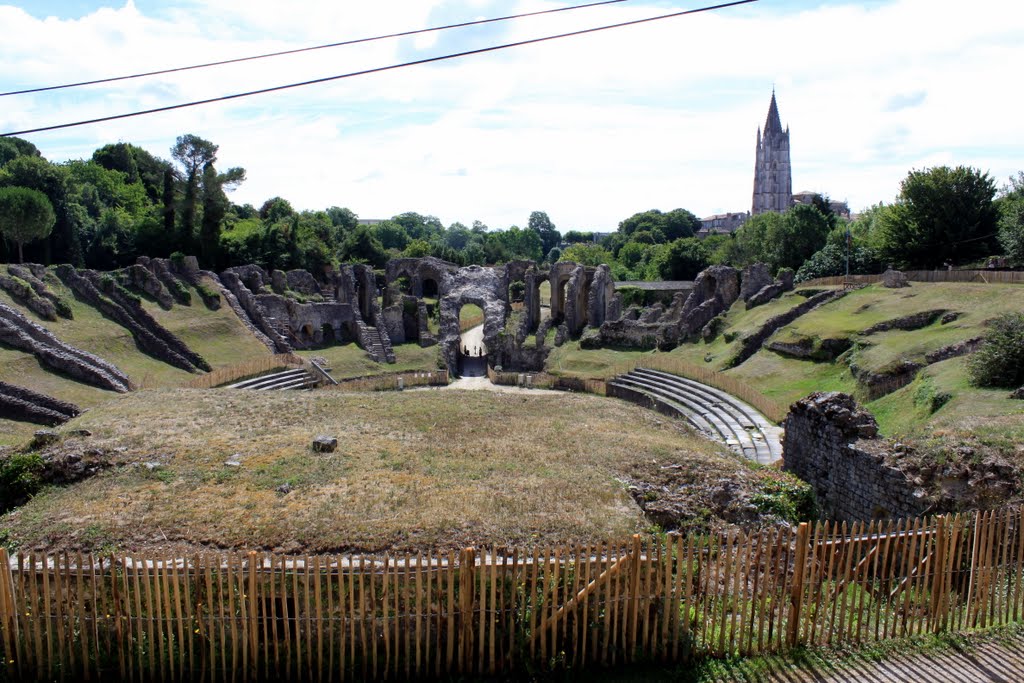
543	380
392	381
251	368
993	277
468	612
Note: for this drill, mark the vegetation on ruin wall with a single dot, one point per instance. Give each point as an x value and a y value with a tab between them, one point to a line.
414	470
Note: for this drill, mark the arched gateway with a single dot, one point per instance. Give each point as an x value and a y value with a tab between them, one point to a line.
484	287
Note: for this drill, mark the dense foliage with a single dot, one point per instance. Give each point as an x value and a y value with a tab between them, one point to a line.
999	362
125	202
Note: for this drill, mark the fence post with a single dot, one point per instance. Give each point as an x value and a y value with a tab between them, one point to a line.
938	587
467	607
796	595
8	613
249	607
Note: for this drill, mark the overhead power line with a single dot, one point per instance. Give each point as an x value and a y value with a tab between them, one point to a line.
343	43
380	69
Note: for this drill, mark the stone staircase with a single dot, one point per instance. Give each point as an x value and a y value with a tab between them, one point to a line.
715	413
377	345
299	378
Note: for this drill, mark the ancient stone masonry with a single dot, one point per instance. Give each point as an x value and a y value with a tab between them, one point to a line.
771	290
242	292
18	331
35	274
483	287
142	278
292	310
751	344
25	405
832	444
119	305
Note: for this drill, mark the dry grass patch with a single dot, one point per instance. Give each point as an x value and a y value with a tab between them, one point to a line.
413	470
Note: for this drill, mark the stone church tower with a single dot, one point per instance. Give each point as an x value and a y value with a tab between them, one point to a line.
773	176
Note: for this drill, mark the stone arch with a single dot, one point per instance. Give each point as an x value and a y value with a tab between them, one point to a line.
327	333
472	285
429	287
559	277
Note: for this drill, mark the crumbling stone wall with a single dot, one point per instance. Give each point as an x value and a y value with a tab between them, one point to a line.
18	331
472	285
150	336
833	444
25	405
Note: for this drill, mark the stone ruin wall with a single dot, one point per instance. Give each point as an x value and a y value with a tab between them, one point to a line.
833	444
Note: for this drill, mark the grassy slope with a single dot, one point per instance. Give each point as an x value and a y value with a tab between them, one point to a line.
413	470
218	336
788	379
348	360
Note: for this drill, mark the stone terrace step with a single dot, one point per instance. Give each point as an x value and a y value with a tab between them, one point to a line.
274	380
718	414
760	427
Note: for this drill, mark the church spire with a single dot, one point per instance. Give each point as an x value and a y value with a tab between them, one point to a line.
773	124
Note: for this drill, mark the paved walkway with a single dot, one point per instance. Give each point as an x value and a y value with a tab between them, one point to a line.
999	659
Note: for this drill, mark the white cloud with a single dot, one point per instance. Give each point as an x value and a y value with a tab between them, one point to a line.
589	129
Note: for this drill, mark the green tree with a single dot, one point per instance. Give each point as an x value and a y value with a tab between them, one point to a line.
586	254
392	235
682	259
343	218
193	153
575	237
802	231
542	225
360	246
25	215
12	147
999	362
680	223
64	243
1011	220
942	215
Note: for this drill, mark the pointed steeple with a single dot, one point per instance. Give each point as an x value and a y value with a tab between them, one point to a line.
773	124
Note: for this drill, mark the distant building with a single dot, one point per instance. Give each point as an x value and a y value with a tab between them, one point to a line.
721	224
773	174
841	209
370	222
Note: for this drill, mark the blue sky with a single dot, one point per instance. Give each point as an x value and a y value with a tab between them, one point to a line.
589	129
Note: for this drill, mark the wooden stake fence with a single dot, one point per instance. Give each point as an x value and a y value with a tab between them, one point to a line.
496	611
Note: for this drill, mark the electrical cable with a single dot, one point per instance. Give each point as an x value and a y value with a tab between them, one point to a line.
380	69
355	41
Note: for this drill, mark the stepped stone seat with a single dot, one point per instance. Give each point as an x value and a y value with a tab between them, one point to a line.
286	379
712	411
718	428
767	435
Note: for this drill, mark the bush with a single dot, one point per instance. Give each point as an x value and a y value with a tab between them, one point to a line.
20	479
1000	360
784	496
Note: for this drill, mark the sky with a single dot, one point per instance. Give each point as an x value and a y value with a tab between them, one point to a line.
589	129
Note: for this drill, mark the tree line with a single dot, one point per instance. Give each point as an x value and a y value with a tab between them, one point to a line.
124	202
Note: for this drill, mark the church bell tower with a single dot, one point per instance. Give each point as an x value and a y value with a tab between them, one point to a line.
773	176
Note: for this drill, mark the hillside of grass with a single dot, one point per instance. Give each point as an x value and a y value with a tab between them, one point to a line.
414	470
219	336
907	410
